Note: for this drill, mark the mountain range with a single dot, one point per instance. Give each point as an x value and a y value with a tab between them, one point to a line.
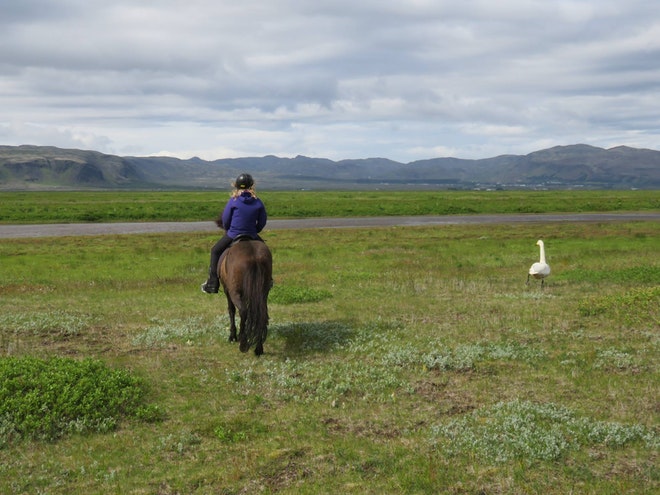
30	167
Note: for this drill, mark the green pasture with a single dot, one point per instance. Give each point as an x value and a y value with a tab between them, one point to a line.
399	360
106	206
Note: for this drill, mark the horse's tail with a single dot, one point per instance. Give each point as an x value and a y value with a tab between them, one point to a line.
256	285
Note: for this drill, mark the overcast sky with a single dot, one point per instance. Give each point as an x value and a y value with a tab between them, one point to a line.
400	79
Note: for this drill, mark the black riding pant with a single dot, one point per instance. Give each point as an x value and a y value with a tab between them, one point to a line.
216	252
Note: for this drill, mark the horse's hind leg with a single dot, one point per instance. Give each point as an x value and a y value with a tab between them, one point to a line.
243	344
232	319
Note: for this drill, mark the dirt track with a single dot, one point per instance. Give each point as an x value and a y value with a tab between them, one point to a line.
76	229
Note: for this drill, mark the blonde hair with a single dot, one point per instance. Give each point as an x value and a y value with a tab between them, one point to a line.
237	192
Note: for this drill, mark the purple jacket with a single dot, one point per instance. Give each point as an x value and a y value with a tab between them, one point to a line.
244	214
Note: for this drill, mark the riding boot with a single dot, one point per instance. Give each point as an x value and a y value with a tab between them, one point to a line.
212	285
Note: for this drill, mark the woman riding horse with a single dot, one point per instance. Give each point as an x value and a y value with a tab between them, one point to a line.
243	215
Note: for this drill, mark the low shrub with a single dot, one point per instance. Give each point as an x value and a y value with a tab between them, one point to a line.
47	399
189	330
531	432
56	323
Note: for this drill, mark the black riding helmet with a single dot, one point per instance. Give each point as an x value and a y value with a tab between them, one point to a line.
244	181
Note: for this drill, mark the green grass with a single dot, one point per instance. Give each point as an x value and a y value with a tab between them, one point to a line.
105	206
400	360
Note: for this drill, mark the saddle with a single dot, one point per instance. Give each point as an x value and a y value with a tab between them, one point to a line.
241	238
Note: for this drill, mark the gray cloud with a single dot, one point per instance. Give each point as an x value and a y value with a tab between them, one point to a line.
406	80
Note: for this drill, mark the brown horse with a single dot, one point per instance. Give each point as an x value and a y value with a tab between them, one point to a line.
246	274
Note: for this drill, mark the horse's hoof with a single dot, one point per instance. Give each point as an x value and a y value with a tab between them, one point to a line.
244	347
258	351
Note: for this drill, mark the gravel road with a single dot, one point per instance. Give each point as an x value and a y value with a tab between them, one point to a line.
77	229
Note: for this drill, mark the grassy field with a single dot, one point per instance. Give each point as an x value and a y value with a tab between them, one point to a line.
400	360
52	207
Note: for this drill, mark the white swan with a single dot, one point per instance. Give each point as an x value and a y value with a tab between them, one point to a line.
539	269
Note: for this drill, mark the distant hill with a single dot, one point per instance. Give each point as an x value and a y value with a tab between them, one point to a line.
41	168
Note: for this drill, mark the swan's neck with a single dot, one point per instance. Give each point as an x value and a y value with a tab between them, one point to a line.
542	252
